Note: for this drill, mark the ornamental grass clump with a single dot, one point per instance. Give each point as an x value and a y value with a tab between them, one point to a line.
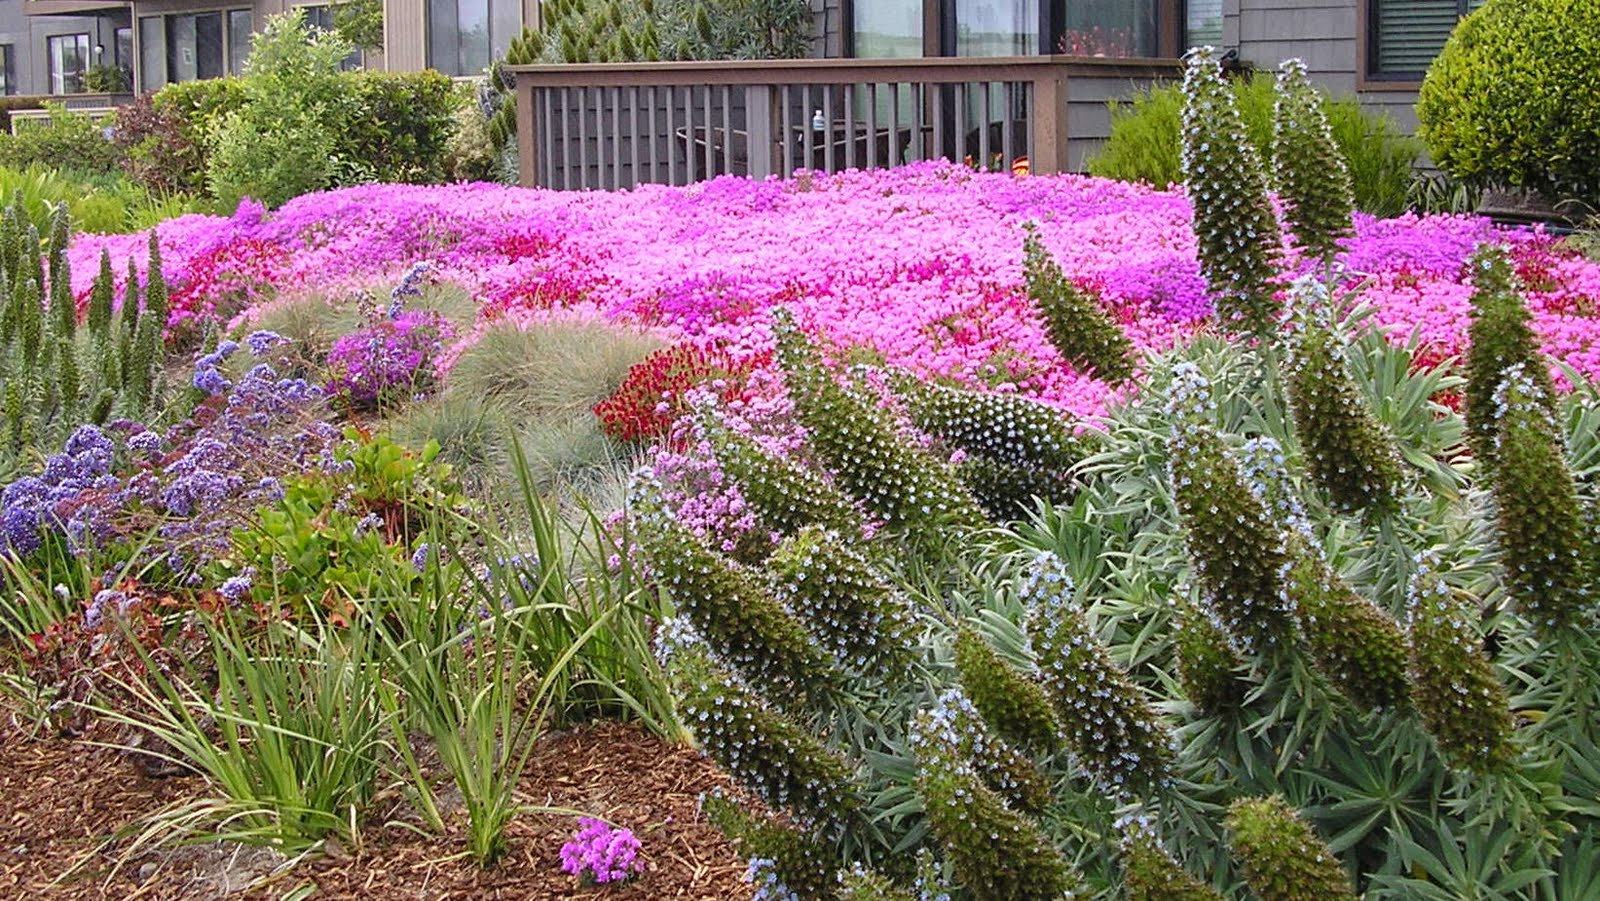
1149	873
1539	526
859	440
1239	553
1282	857
998	854
733	609
1237	231
1105	718
1077	325
833	588
1348	452
1462	702
1015	706
1499	337
1310	173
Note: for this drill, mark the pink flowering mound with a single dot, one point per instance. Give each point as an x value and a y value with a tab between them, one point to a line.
921	265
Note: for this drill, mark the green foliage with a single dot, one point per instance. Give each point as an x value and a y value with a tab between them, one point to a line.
469	154
1310	175
106	79
1105	717
899	482
1146	141
1014	705
1283	858
1150	874
359	22
165	138
1498	338
1235	227
1461	701
1541	533
67	140
1512	99
997	852
1347	451
1077	326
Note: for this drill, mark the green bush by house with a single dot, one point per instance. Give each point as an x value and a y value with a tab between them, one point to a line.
1514	98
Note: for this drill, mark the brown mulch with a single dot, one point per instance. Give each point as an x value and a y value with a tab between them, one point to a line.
61	799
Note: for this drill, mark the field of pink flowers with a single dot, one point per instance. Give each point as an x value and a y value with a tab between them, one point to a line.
921	264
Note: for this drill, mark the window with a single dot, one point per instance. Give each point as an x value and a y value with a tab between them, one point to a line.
194	46
1403	36
1111	28
465	36
152	54
8	69
69	60
1007	28
241	30
1202	23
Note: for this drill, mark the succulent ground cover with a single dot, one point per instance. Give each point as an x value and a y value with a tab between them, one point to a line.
938	508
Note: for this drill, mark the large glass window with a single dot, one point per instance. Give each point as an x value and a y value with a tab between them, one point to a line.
888	28
241	31
1110	28
988	28
1203	23
69	60
8	69
1403	36
152	54
194	47
465	36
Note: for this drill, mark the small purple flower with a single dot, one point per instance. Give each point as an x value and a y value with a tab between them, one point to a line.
212	382
262	341
420	557
601	853
148	443
236	588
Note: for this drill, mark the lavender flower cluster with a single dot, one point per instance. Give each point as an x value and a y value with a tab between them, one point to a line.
602	853
387	362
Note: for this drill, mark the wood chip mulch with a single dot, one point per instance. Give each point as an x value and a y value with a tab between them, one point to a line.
61	800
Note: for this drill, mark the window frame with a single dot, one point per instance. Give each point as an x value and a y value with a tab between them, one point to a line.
81	39
431	56
1368	76
939	27
8	69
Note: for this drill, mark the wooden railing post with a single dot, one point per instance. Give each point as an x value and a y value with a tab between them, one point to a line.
527	145
1050	122
761	143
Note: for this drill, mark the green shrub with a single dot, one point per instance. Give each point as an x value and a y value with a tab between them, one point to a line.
1514	99
469	154
68	140
1145	145
398	124
164	138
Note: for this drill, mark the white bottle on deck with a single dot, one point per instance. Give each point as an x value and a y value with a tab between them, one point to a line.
818	123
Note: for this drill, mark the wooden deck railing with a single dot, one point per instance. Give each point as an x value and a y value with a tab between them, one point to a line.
619	125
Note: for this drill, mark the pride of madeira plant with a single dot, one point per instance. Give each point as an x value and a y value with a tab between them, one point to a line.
60	369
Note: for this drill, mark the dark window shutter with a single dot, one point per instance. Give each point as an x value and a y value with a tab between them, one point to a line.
1408	34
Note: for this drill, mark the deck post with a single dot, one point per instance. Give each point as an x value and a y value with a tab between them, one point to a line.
1050	123
527	146
758	122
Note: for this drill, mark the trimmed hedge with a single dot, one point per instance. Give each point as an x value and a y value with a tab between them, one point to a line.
1514	98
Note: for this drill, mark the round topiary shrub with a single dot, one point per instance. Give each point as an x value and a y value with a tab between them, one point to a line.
1514	98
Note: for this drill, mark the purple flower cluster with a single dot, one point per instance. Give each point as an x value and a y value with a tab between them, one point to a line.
410	286
602	853
32	505
388	362
208	376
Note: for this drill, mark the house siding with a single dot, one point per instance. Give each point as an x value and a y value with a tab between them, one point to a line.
1321	32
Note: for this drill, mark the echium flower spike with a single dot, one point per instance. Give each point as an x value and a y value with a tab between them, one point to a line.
1079	328
1349	453
861	884
998	854
730	606
1358	647
1283	859
1540	528
1013	704
1498	337
102	297
1311	176
1234	223
783	859
1005	427
1149	873
833	588
786	496
1462	703
1208	666
1239	552
854	436
1105	718
769	753
63	307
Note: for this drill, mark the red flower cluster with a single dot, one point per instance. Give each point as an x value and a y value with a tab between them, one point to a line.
651	397
220	283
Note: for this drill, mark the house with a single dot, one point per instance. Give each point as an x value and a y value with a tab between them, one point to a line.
1376	49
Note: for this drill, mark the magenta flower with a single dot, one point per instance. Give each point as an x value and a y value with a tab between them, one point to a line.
602	854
